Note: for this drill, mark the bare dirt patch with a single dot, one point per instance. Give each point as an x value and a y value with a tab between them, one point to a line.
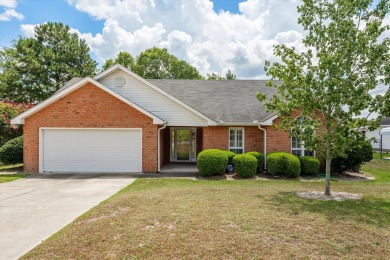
337	196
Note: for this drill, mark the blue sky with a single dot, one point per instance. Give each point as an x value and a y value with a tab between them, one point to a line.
40	11
212	35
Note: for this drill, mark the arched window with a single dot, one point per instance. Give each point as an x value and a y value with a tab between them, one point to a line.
298	146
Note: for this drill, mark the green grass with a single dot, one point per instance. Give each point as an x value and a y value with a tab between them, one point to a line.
377	155
180	218
378	168
12	177
10	167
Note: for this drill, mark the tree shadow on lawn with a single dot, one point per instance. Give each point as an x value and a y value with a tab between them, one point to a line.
370	210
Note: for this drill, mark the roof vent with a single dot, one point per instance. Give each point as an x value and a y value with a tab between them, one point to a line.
119	81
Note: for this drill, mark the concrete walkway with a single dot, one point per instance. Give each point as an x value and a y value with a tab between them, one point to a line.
35	207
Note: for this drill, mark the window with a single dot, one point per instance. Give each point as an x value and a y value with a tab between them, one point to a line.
298	147
236	140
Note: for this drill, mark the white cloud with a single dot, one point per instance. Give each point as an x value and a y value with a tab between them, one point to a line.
9	14
9	10
28	29
193	31
8	3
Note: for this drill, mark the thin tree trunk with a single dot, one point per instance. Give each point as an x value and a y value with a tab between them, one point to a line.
328	161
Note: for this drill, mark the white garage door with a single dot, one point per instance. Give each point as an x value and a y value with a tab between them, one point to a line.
91	150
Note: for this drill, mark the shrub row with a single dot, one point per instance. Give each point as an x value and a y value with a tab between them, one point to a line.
214	162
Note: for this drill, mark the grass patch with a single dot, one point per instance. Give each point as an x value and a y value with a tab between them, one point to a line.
12	177
178	218
377	155
378	168
10	167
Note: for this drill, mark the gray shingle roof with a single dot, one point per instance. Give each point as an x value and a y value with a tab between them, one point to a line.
230	101
385	121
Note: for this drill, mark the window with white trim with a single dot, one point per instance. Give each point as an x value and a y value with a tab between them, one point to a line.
298	147
236	140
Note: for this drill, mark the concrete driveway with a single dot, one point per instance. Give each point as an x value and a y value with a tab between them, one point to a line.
33	208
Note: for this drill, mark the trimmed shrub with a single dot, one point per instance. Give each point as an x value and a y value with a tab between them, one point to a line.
260	159
230	155
361	152
212	162
284	163
245	165
309	165
12	151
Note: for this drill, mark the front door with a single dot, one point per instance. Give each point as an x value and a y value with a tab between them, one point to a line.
183	144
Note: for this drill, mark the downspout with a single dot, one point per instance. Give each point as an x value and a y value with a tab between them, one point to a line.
158	146
265	146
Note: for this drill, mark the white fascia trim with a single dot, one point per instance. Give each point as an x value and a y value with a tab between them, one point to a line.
20	118
269	121
118	66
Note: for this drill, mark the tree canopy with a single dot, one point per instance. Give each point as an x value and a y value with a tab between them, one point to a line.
32	69
156	63
328	84
124	58
215	76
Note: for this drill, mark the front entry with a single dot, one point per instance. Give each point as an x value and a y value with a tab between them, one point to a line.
183	144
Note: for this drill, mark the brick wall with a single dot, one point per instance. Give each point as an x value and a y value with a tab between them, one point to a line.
89	107
218	137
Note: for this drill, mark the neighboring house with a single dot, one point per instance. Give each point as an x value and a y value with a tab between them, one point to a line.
375	136
120	122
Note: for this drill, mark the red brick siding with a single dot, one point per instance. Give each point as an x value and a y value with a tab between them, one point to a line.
89	107
218	137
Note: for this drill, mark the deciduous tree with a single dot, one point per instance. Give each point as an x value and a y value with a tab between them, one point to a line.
329	83
156	63
32	69
124	58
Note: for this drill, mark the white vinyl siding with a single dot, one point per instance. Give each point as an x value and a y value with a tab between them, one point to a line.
153	101
236	140
91	150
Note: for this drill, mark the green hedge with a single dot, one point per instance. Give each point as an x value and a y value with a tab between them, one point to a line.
309	165
212	162
12	151
260	159
361	152
230	155
284	163
245	165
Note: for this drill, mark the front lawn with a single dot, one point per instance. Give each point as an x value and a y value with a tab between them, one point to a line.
11	168
249	219
12	177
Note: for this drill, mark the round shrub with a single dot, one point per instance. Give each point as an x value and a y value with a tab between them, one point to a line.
230	155
361	152
212	162
12	151
309	165
260	159
245	165
284	163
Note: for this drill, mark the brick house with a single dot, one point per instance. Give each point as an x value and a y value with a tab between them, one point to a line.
120	122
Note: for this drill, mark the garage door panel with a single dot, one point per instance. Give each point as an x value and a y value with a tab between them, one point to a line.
92	150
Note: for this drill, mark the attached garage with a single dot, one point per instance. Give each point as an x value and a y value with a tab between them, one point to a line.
90	150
